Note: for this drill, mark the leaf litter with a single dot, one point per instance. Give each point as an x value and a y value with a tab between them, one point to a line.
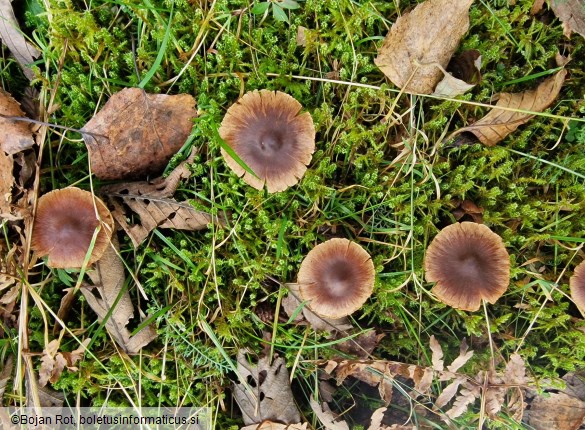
54	362
152	202
421	43
16	136
135	134
114	304
499	123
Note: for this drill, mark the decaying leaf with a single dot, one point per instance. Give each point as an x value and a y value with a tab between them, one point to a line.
327	418
6	183
269	425
16	135
268	395
449	392
420	40
135	134
555	411
5	375
466	210
572	15
437	357
53	362
498	123
152	202
462	358
467	395
461	75
109	278
13	38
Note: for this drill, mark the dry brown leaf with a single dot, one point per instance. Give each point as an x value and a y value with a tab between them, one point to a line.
515	372
572	15
421	39
555	411
53	362
377	417
448	393
462	74
437	357
152	203
135	134
109	277
464	356
499	123
327	418
269	425
16	135
269	396
469	392
6	183
13	38
5	376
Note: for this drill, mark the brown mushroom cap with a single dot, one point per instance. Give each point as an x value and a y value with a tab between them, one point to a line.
468	262
268	132
577	284
65	224
336	278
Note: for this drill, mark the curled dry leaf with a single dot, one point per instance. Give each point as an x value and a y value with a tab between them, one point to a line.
269	425
499	123
109	278
13	38
461	75
53	362
135	134
420	40
326	416
268	395
572	15
16	135
152	202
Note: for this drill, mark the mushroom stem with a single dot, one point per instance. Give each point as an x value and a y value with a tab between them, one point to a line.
487	321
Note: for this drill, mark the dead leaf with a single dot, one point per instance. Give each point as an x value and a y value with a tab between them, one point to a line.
53	362
449	392
152	203
469	392
16	135
301	36
12	36
462	74
269	425
515	372
499	123
6	183
437	357
421	39
329	421
268	396
360	346
462	358
109	278
376	420
572	15
5	376
135	134
555	411
467	209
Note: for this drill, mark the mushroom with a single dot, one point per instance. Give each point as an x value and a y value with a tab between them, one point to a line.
270	135
469	263
336	278
64	226
577	284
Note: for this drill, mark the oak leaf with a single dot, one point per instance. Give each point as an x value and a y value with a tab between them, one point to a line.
16	136
499	123
420	40
135	134
53	362
268	395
